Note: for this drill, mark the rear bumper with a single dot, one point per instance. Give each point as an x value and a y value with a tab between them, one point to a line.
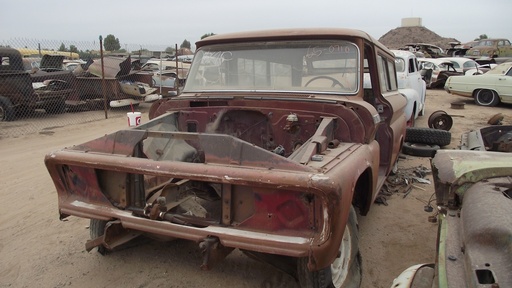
230	237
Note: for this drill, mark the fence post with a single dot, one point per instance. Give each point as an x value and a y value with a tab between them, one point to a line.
103	89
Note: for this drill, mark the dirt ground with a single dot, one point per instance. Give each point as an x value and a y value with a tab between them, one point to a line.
39	250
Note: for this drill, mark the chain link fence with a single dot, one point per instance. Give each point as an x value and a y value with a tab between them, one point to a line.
46	84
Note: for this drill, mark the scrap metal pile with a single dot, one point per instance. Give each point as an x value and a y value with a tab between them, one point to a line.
403	182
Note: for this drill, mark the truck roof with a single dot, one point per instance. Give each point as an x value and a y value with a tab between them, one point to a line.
289	34
13	57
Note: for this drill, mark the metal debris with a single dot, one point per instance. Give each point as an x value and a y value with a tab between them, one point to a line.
402	183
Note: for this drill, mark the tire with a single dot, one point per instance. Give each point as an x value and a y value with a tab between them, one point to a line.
345	271
486	97
428	136
420	149
97	229
7	112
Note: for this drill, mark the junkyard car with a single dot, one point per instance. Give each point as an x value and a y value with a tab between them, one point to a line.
466	65
458	49
410	84
118	79
269	148
21	90
488	89
436	71
425	50
494	48
473	194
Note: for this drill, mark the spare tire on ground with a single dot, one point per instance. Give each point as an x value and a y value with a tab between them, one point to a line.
419	149
428	136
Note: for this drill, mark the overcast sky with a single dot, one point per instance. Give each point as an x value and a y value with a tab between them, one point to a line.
164	23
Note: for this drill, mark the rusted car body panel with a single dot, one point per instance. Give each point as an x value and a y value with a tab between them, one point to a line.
475	231
233	163
268	171
473	188
92	84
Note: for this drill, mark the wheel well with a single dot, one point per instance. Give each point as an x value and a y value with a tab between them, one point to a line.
363	192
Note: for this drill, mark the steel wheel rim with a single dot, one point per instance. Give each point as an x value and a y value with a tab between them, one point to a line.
341	265
485	96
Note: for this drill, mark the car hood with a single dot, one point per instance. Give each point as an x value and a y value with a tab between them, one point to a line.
51	62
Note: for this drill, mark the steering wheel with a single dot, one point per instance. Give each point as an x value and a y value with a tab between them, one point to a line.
334	81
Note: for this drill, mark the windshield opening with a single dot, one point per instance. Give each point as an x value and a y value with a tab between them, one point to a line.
295	66
400	65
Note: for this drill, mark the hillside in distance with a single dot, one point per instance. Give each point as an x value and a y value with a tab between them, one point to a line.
399	37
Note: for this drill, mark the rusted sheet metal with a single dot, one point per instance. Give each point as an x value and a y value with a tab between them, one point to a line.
457	167
230	174
473	240
114	67
454	169
230	161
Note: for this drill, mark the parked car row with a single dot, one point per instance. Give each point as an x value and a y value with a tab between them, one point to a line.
499	49
435	71
52	84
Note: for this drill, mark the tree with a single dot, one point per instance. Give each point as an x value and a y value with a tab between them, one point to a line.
170	50
185	44
206	35
111	43
483	36
73	48
62	47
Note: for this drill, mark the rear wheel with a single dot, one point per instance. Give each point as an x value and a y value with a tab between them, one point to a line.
97	229
486	97
345	271
7	112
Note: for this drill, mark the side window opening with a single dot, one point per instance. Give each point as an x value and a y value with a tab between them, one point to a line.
412	67
393	86
381	66
387	74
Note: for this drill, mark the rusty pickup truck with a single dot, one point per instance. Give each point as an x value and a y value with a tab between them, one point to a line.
22	91
272	147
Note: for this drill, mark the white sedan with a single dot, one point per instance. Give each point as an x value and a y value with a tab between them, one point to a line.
467	65
487	89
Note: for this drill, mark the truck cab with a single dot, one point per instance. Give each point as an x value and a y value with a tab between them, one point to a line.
21	90
410	84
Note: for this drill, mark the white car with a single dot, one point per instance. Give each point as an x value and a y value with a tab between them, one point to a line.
435	71
466	65
410	84
487	89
